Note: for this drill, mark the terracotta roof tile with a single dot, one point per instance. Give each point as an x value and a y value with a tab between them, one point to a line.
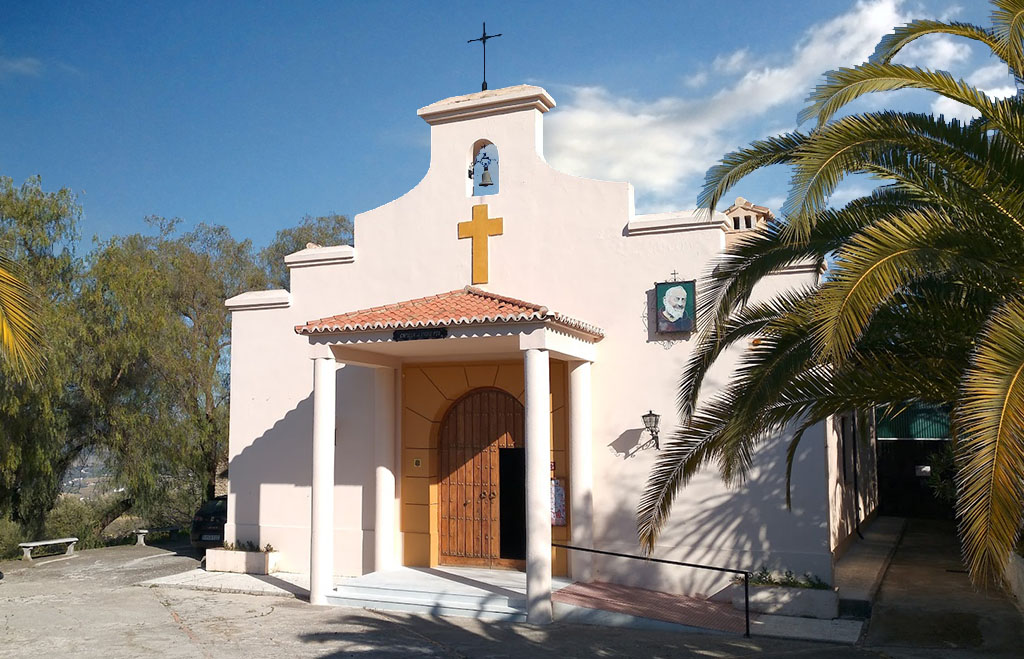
465	306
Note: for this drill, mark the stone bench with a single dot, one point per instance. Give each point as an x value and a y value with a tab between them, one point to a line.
27	547
140	534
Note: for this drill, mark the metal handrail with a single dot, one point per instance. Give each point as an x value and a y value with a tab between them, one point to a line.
714	568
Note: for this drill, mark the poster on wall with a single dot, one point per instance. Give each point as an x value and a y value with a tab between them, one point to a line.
557	502
676	303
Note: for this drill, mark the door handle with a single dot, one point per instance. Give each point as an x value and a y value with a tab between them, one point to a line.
483	495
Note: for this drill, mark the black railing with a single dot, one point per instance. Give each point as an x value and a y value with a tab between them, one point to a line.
713	568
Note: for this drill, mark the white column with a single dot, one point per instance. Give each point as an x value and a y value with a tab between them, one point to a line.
321	529
581	472
538	486
384	461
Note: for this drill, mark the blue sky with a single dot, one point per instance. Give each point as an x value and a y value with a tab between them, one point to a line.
254	114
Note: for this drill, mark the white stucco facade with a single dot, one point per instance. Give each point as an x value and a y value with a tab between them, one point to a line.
571	244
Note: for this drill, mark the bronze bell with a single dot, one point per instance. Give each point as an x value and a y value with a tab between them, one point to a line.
485	179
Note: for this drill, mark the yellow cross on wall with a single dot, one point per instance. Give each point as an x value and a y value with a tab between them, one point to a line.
478	229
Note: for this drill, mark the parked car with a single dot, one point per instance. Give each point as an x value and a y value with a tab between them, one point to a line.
208	523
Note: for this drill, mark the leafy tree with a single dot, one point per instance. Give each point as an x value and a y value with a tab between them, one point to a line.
325	230
924	301
38	230
137	345
155	375
137	349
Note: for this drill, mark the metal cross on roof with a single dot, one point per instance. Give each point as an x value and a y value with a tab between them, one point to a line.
483	42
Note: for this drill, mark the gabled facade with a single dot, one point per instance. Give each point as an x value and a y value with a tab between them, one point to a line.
466	386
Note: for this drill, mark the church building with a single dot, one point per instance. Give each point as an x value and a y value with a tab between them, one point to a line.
466	385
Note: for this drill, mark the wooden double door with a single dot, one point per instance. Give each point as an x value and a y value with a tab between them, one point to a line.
483	481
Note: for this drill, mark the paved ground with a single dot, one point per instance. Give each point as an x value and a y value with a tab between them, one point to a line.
859	572
88	606
609	605
927	602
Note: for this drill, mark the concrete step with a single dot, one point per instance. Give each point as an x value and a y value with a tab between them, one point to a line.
489	606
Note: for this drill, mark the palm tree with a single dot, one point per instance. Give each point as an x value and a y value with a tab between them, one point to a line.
924	301
20	336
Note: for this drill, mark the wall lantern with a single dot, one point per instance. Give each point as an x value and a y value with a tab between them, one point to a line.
485	177
651	425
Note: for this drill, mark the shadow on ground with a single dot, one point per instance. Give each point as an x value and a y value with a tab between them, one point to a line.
927	601
381	634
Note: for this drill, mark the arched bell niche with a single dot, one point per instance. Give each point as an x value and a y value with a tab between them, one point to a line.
483	169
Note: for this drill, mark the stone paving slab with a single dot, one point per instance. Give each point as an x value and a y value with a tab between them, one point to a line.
859	571
279	584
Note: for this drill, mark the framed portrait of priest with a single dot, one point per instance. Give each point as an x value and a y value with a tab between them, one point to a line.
676	306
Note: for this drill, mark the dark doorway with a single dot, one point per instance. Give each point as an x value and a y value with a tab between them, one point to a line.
904	470
512	476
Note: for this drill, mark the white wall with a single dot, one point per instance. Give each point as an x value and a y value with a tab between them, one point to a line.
565	245
852	478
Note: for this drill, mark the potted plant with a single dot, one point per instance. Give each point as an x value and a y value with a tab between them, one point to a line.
786	594
245	557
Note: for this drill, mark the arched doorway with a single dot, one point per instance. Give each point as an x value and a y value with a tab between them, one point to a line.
483	481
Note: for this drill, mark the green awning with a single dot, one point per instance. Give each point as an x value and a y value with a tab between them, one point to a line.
913	422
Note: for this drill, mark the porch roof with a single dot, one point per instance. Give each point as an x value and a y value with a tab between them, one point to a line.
462	307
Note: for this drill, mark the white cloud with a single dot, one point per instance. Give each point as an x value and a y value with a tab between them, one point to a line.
993	79
25	66
665	146
735	62
950	109
698	79
846	40
950	13
773	203
847	192
935	52
991	75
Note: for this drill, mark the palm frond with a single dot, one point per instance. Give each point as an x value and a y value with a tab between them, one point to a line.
883	142
989	426
892	44
734	166
845	85
747	323
733	276
1008	27
880	260
20	335
922	302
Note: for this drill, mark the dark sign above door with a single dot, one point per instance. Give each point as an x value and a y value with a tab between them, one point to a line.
420	333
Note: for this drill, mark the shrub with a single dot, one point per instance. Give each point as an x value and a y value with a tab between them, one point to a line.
765	577
10	535
247	545
74	517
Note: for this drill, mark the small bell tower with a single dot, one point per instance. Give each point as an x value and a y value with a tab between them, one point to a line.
473	138
484	170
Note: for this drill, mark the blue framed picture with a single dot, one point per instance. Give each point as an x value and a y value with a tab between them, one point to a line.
676	306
